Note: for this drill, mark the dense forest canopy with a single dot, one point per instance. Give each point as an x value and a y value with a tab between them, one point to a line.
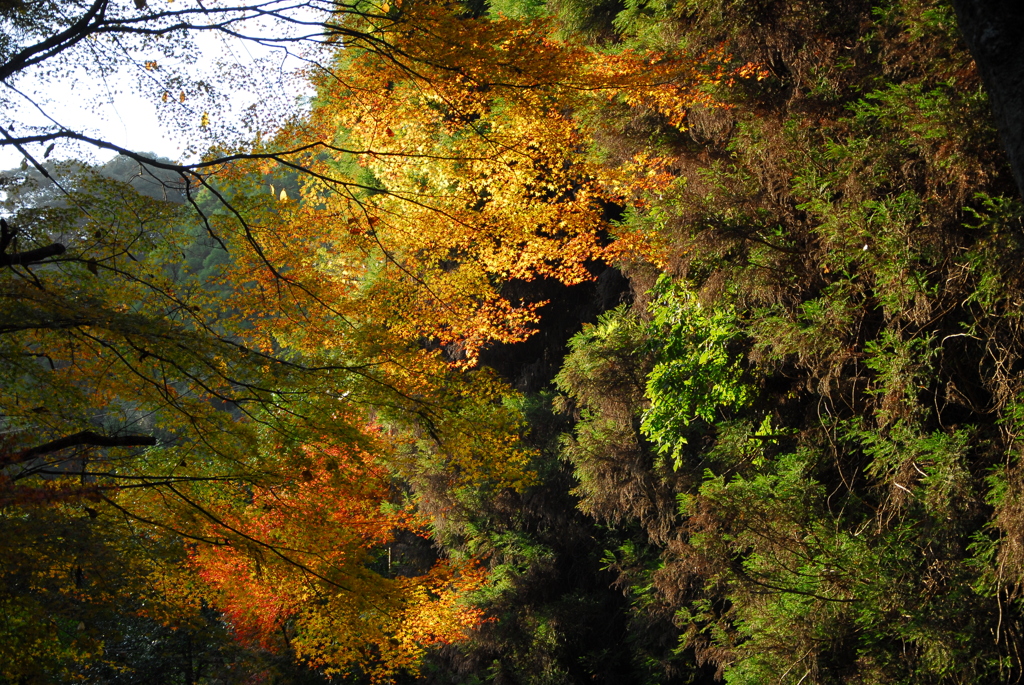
629	341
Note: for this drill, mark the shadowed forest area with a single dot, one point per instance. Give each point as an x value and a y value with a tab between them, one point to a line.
578	341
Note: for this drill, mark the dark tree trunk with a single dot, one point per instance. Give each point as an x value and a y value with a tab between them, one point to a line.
994	32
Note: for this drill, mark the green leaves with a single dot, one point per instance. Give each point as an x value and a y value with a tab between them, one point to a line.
698	378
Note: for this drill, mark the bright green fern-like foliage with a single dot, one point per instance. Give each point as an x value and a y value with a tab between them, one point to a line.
697	378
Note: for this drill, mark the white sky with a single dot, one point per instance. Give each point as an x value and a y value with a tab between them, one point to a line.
125	119
119	114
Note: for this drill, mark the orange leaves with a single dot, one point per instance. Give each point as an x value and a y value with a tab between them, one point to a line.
299	553
436	612
487	179
752	70
639	174
667	85
479	189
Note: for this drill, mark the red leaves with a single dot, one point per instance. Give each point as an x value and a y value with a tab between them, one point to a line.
299	552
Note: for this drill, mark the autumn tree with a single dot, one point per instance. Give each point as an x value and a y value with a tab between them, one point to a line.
205	378
137	390
447	150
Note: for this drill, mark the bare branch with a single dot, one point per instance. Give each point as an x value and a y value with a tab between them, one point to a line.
81	438
29	257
